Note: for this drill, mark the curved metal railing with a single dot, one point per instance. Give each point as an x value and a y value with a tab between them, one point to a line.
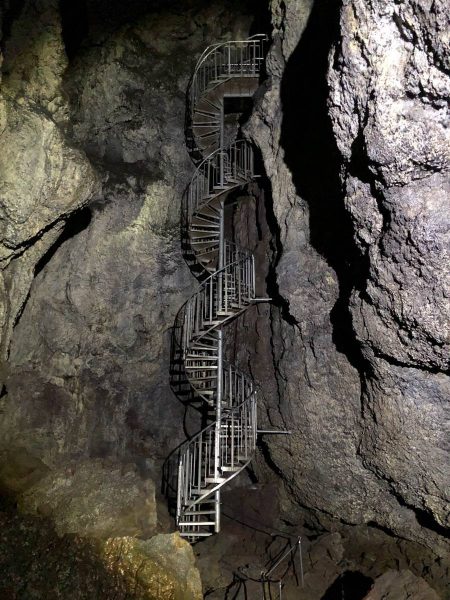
236	58
224	448
220	64
230	166
196	458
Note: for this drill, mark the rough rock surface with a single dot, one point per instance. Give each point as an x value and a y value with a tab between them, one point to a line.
40	564
95	499
388	104
394	585
93	342
162	568
336	564
359	339
43	178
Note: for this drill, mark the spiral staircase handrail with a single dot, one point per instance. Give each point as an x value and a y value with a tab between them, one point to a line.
249	402
196	436
222	449
211	51
244	168
214	275
212	47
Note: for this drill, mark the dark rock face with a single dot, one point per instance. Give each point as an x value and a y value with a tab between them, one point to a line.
360	342
389	90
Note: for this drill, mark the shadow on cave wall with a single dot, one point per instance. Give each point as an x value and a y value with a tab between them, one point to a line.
312	157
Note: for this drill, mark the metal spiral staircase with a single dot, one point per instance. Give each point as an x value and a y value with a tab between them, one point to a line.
220	451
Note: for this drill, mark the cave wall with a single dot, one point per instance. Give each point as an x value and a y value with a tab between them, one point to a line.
88	372
44	177
350	231
359	269
391	67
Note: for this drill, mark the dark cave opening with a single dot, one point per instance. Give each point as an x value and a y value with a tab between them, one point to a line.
351	585
74	21
312	156
9	13
75	224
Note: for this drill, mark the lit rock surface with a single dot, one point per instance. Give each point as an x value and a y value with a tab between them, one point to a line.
162	568
93	342
43	178
40	564
94	499
389	90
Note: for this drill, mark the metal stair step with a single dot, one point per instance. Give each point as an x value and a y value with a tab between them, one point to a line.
189	513
195	534
196	523
205	113
203	253
204	227
201	491
205	218
200	239
209	134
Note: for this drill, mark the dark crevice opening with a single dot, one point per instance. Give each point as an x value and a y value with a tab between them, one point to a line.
351	585
75	224
276	245
262	22
74	21
313	159
424	518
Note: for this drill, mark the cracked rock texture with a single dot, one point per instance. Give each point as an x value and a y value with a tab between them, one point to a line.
43	178
358	167
395	146
92	170
394	584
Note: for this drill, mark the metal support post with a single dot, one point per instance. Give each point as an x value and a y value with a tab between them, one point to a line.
219	395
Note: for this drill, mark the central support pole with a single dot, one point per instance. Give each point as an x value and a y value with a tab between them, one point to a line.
221	292
219	396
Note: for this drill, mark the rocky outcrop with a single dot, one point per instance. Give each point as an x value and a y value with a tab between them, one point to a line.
359	335
91	186
39	563
43	178
106	295
389	89
403	584
94	498
157	569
